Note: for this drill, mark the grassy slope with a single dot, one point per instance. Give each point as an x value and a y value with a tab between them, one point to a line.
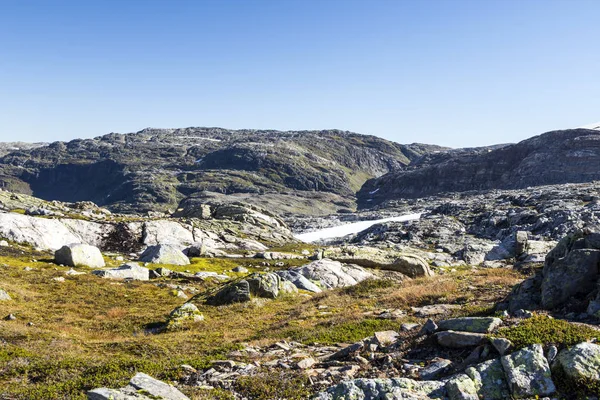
90	332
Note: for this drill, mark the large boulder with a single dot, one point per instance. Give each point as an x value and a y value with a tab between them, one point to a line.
409	264
332	274
126	271
141	387
489	380
187	312
264	285
238	292
528	373
167	232
581	362
164	254
79	255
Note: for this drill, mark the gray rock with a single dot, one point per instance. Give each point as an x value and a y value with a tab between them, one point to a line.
164	254
581	362
489	380
528	373
126	271
156	388
381	389
501	345
552	353
233	293
428	327
470	324
409	327
435	369
79	255
4	296
524	314
241	270
299	280
459	340
264	285
521	239
332	274
347	351
385	338
461	387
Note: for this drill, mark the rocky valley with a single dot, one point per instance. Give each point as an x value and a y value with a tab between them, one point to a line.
203	263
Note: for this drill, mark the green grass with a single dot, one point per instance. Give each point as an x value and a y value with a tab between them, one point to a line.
332	332
545	330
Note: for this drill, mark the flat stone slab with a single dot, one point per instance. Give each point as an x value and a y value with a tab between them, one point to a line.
470	324
458	340
528	373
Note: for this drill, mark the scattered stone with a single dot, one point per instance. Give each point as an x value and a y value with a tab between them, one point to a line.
10	317
552	352
524	314
130	270
3	243
409	327
528	373
306	363
385	338
79	255
59	279
240	270
4	296
164	254
435	369
184	313
72	272
459	340
501	345
428	328
348	351
470	324
299	280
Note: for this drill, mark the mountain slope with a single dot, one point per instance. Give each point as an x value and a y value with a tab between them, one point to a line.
157	168
568	156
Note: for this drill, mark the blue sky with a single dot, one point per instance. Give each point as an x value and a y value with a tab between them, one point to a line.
456	73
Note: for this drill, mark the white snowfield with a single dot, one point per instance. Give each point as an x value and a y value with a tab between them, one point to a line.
348	229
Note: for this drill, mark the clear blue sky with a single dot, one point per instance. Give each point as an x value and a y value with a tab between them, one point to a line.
457	73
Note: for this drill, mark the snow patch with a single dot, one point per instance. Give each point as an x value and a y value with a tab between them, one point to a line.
349	229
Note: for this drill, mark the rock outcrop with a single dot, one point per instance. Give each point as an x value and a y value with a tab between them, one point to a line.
164	254
141	387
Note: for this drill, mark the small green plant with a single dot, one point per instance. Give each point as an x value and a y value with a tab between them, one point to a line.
543	329
289	386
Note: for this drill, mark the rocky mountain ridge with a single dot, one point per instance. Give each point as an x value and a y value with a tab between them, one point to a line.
568	156
155	169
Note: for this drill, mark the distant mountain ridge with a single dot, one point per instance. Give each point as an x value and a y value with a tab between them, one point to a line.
566	156
303	171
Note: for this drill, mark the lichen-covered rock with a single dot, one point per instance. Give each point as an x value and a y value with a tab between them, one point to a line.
164	254
501	345
187	312
126	271
528	373
141	387
238	292
470	324
489	380
461	387
264	285
384	389
459	340
581	362
79	255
